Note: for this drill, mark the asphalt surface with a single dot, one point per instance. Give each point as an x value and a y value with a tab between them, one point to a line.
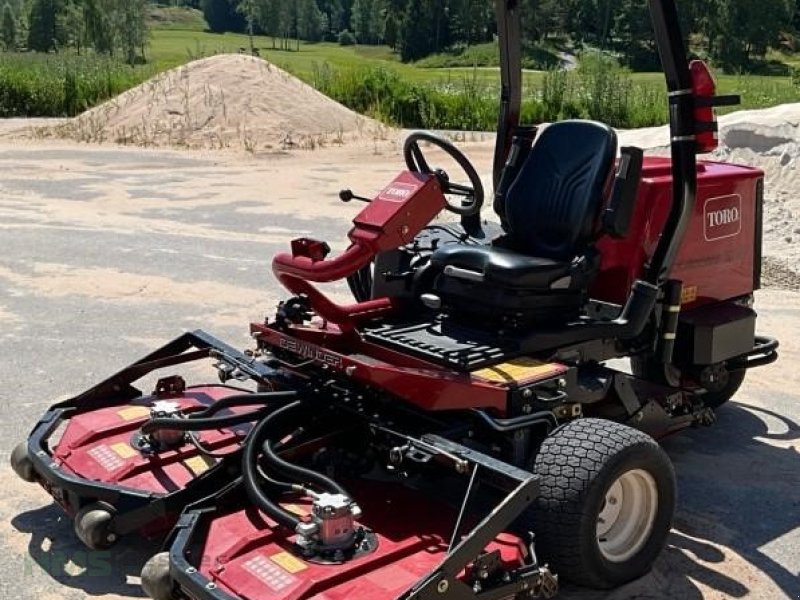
106	253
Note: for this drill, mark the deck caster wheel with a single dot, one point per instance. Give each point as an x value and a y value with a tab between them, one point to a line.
156	581
22	464
94	526
606	503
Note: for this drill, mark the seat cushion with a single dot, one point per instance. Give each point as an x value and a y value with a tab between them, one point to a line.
553	208
503	267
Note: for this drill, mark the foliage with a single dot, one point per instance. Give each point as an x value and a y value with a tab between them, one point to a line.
346	38
8	28
61	85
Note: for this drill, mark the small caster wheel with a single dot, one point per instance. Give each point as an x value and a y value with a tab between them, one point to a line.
22	464
156	582
93	526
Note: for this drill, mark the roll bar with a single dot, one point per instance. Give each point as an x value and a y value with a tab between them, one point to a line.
675	64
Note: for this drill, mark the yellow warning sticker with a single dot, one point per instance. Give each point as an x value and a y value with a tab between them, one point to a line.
519	369
133	412
689	294
300	511
123	450
288	562
199	464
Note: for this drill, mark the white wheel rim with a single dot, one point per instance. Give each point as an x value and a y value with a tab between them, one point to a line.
626	520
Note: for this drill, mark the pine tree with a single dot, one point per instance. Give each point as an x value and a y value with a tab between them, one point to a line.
132	28
9	28
417	30
42	34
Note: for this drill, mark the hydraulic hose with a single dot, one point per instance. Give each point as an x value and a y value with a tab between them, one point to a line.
301	474
203	424
250	469
243	400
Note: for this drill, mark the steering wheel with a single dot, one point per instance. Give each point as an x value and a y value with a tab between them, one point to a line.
416	163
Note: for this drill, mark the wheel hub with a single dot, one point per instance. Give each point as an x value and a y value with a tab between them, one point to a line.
626	518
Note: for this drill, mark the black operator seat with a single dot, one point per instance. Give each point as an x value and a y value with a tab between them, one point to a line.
554	212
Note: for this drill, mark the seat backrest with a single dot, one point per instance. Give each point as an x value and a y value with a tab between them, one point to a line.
553	208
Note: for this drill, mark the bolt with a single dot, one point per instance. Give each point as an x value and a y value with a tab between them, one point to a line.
527	409
443	586
612	500
527	393
562	383
211	585
191	571
111	538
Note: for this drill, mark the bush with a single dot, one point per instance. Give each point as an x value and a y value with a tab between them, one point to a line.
61	85
346	38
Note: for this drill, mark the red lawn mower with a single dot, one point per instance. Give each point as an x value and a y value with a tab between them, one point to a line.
455	433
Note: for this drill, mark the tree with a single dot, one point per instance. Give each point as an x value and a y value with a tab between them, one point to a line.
100	29
368	20
42	33
633	35
221	16
249	10
416	30
310	20
72	22
9	28
132	28
746	29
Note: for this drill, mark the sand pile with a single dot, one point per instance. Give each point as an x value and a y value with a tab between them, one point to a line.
226	101
770	140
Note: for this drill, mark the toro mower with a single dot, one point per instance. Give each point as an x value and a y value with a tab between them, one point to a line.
458	431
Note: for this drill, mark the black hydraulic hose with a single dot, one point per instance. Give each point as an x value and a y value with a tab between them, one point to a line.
300	474
203	424
243	400
515	423
250	470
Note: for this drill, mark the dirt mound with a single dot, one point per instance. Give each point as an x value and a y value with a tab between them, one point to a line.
226	101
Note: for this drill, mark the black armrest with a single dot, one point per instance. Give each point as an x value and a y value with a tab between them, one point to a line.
619	211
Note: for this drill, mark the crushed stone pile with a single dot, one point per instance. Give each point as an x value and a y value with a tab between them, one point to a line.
227	101
770	140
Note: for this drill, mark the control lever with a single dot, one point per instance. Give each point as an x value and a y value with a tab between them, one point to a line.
348	195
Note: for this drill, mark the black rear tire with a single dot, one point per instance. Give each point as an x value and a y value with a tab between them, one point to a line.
726	386
579	465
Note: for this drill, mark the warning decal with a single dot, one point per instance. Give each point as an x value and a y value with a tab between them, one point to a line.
132	413
270	574
520	369
106	457
289	562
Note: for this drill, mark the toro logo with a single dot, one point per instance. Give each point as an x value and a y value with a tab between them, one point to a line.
722	217
397	192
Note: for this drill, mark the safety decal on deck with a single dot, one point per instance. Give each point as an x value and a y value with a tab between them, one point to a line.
290	563
296	509
123	450
106	457
199	464
519	369
270	574
132	413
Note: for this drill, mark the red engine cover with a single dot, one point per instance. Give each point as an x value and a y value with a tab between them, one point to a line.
716	259
245	554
